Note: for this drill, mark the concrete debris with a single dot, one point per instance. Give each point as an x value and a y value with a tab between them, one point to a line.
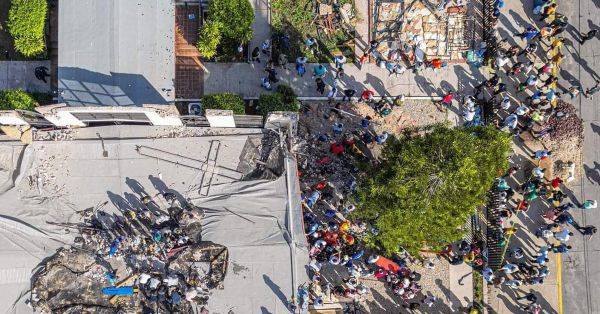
54	135
149	260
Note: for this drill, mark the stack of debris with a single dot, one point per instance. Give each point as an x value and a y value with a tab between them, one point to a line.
438	28
148	260
565	124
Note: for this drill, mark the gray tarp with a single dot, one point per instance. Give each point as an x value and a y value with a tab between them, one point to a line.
57	178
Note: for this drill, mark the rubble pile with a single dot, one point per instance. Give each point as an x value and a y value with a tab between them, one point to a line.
565	124
332	141
148	260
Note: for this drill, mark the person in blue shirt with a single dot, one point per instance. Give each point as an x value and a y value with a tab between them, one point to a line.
319	71
529	33
561	248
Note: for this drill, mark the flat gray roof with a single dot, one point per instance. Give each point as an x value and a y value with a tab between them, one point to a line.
116	52
258	220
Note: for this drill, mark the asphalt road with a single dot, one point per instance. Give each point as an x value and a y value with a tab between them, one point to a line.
581	266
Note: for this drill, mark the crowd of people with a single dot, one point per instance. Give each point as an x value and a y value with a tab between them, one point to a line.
523	93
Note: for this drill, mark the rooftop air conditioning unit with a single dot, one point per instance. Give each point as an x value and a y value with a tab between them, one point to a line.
194	109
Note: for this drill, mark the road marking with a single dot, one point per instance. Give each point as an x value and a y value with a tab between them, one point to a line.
559	282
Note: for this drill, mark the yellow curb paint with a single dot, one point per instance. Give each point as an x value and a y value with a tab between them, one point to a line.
559	282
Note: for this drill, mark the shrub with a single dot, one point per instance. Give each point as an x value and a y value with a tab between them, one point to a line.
26	21
16	99
284	99
209	40
288	95
224	101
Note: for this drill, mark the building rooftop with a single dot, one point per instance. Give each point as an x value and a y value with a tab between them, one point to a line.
115	52
255	214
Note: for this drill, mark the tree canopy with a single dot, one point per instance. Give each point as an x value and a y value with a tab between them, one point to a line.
232	20
427	186
26	21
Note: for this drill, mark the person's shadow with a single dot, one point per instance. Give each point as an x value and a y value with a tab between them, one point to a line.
276	289
593	174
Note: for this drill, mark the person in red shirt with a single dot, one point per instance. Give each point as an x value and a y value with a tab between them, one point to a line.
367	95
438	64
337	149
556	183
447	101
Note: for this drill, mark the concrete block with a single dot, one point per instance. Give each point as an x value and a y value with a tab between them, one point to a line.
220	118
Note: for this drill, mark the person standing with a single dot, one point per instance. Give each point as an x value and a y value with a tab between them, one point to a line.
589	35
548	11
589	93
531	297
340	60
282	61
367	96
255	55
446	101
348	93
41	73
319	71
320	85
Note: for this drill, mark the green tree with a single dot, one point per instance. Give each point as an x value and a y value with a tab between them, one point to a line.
26	21
284	99
210	37
427	185
234	18
16	99
224	101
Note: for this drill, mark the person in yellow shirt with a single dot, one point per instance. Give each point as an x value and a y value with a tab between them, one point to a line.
548	11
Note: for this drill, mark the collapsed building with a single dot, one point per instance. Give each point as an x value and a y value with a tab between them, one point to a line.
150	219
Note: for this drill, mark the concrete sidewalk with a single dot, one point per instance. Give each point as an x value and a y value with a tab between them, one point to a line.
261	25
244	79
21	74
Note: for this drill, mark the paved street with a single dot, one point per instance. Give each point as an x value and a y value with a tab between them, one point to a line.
580	267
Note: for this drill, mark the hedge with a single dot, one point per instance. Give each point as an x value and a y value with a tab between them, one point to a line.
224	101
284	99
26	21
16	99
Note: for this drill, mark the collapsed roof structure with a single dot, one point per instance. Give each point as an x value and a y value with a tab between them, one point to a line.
244	181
